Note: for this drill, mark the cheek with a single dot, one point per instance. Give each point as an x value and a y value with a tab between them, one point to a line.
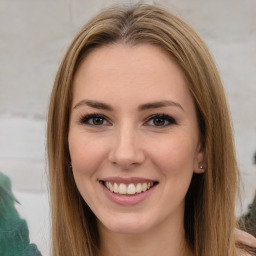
86	154
174	155
174	158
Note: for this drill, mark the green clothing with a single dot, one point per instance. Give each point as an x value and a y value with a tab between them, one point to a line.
14	234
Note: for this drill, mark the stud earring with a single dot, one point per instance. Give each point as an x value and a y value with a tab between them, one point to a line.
70	167
202	167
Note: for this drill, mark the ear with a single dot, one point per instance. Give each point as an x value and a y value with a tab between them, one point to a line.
199	162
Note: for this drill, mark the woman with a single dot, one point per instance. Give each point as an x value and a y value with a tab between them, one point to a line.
140	148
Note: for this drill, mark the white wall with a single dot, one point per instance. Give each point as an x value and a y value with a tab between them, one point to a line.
34	36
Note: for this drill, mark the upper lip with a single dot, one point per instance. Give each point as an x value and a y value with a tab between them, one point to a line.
126	180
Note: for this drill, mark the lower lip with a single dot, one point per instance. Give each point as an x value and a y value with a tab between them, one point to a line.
128	199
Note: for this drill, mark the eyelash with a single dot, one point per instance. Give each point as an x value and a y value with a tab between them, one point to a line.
87	118
163	117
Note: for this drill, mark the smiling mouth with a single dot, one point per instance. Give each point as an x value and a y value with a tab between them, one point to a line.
128	189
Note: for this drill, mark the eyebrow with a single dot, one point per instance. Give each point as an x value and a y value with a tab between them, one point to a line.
93	104
152	105
160	104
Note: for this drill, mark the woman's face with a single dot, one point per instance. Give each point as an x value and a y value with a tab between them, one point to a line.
133	137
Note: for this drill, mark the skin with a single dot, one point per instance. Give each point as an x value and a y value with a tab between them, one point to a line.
246	239
128	142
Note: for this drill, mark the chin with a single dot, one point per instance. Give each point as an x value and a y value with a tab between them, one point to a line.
126	226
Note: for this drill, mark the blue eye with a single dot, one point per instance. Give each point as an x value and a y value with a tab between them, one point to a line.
94	120
161	120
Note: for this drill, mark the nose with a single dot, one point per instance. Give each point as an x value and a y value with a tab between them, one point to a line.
126	151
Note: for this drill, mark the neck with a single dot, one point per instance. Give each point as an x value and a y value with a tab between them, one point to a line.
163	241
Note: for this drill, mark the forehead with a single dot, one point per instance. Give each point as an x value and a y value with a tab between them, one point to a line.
142	72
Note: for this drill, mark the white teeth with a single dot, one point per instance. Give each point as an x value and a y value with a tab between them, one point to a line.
116	190
122	189
138	188
110	187
144	187
129	189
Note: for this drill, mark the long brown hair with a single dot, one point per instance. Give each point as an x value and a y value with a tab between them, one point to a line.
209	219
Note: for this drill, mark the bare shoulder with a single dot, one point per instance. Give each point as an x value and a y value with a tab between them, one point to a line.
245	239
240	252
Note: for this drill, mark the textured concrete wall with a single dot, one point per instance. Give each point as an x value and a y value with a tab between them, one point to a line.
34	36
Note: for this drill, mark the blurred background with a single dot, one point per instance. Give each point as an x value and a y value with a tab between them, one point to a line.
34	35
